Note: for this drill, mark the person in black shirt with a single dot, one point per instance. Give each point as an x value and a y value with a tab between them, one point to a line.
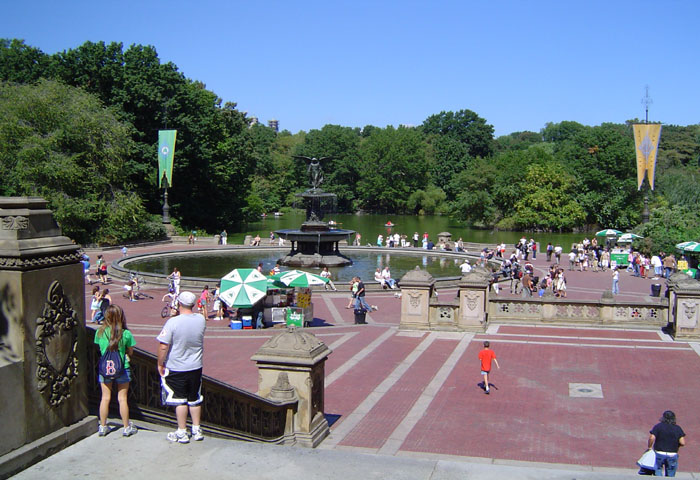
666	438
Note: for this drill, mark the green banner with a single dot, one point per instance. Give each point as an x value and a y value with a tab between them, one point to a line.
166	155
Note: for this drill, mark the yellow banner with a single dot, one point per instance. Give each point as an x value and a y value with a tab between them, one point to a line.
646	142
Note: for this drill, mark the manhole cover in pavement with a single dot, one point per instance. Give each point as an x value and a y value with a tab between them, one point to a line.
586	390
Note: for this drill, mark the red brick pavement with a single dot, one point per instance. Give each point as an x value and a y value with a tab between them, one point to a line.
346	393
387	414
529	415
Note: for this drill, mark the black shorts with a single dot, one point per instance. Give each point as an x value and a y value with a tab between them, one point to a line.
179	388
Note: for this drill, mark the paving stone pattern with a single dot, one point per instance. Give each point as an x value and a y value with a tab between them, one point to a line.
377	376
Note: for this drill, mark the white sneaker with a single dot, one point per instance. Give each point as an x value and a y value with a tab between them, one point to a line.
178	437
197	435
102	430
130	430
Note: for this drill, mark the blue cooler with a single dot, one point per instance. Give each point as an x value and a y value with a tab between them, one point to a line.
236	325
247	321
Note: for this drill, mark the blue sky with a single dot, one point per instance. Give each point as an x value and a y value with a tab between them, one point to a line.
518	64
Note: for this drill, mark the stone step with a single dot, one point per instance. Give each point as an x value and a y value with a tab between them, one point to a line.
150	455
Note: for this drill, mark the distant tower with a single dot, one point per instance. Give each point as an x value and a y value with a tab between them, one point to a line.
274	124
253	121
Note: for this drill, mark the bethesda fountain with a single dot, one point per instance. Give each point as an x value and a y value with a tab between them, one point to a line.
315	243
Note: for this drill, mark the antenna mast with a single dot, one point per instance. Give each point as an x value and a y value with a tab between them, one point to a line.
646	101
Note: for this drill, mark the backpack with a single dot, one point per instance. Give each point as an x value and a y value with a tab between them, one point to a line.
110	365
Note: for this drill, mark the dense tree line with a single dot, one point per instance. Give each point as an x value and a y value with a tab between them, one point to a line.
565	177
214	151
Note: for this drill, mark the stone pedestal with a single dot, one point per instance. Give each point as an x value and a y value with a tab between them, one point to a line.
293	363
444	237
42	334
473	297
417	287
684	305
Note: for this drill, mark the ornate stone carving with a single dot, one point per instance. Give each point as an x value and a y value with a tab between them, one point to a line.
471	300
17	263
414	300
688	317
56	346
11	222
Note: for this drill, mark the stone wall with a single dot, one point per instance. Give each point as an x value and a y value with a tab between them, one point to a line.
42	325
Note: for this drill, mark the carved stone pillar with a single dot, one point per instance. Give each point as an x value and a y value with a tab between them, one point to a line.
684	307
473	300
417	287
42	338
293	362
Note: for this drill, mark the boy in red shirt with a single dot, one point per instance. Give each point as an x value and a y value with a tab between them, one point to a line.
485	357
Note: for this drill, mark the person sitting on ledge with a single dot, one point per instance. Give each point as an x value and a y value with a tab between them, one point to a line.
379	278
386	274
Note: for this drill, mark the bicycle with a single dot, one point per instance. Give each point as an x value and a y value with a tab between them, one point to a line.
169	310
139	282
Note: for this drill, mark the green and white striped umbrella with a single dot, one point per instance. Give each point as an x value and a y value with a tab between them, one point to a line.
299	278
243	287
689	246
628	237
608	232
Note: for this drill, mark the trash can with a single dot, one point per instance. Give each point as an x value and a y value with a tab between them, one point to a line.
655	289
360	316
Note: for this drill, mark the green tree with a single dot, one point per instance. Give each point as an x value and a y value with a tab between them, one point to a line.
464	126
20	63
392	166
446	157
214	154
430	201
669	226
341	171
60	143
548	203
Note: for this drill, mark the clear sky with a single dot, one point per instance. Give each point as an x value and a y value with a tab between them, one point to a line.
518	64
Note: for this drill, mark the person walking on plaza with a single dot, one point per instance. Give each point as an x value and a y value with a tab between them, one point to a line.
204	301
102	269
486	356
666	438
180	367
360	297
115	337
615	281
353	291
224	237
557	253
669	263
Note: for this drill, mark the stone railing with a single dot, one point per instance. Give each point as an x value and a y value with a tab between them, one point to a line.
582	312
473	308
227	411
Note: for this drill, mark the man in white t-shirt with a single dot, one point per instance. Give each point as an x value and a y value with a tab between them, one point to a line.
557	253
180	366
465	267
326	274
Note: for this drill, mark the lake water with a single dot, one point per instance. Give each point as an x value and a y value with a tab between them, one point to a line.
218	264
370	226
